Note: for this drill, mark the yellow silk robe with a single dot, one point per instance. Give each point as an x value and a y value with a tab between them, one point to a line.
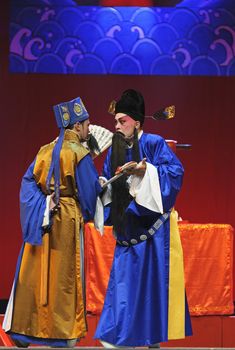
63	316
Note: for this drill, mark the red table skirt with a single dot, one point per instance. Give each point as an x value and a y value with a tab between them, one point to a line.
208	259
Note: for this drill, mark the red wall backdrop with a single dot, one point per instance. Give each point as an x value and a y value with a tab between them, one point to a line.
205	118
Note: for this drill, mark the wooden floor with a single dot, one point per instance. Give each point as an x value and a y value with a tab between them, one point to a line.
209	332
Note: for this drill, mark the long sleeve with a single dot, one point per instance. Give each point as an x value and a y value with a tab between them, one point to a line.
170	170
32	208
88	187
106	171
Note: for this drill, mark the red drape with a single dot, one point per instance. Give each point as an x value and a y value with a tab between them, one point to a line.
208	257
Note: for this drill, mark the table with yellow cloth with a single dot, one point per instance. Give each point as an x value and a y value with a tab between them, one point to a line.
208	262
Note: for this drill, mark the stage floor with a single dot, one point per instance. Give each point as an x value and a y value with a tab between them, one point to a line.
209	332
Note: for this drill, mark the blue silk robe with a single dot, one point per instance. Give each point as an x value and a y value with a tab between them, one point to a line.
142	304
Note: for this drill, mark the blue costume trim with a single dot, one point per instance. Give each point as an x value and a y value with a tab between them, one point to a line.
55	167
41	341
32	208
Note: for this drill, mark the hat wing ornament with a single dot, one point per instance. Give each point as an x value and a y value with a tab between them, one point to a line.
164	113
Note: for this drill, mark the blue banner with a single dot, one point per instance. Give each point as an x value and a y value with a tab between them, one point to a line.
191	38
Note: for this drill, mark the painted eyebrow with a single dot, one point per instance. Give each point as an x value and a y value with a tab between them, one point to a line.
121	118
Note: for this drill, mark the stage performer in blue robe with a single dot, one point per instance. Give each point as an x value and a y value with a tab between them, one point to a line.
145	302
58	193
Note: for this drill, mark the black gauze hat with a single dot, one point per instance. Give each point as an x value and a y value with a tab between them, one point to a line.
132	104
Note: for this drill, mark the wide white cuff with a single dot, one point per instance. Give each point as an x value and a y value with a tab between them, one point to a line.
101	202
146	191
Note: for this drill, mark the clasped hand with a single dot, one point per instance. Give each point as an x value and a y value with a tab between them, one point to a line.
138	169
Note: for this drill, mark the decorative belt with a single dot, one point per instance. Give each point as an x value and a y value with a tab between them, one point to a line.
146	235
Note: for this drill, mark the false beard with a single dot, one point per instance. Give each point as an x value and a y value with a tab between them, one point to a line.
120	190
93	144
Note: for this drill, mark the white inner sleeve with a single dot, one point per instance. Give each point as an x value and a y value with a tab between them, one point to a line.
46	217
146	190
99	216
105	199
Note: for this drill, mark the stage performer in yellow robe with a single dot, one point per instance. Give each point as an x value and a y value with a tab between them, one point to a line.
58	193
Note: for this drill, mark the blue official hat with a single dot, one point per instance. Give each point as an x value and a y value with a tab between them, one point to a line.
69	113
66	113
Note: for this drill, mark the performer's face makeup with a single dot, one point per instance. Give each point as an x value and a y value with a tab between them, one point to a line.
125	124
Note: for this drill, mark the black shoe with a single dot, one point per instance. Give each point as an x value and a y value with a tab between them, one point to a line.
20	343
154	346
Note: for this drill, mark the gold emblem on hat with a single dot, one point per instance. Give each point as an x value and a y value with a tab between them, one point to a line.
65	116
77	109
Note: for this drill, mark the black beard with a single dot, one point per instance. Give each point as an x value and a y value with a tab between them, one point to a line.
120	191
93	144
